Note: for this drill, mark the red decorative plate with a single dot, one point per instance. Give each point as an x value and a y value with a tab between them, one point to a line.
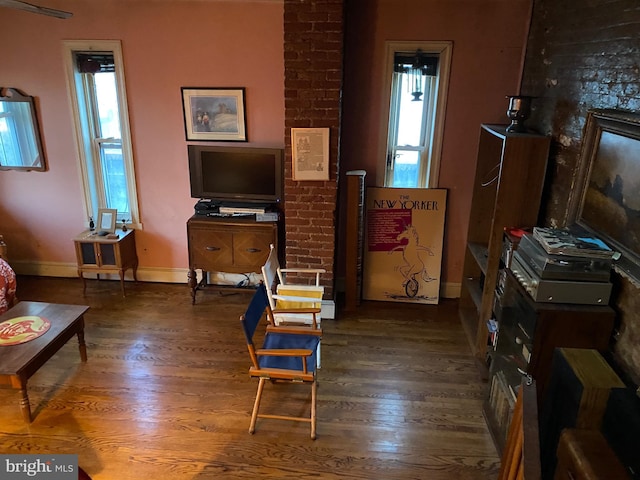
22	329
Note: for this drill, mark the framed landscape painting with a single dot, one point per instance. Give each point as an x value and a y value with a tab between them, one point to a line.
607	193
214	114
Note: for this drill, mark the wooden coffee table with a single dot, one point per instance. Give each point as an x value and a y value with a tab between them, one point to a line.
19	362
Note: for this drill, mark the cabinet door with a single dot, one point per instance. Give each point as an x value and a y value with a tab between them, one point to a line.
251	248
87	254
107	254
209	248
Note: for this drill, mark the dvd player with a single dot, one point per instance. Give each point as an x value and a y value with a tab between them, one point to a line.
234	210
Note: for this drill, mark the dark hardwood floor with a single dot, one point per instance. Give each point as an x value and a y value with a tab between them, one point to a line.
165	393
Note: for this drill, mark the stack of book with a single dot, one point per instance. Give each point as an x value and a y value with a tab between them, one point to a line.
557	241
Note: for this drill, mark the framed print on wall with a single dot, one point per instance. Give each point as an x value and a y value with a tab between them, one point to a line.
310	153
214	114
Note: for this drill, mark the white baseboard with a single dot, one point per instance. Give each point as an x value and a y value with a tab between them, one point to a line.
450	290
148	274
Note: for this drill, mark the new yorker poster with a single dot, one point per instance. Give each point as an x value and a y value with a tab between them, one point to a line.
403	244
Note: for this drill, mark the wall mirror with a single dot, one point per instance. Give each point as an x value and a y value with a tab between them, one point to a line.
20	146
607	193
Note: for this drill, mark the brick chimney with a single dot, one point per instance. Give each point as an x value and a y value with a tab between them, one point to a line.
313	51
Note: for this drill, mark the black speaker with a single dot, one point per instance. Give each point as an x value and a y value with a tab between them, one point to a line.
579	388
621	427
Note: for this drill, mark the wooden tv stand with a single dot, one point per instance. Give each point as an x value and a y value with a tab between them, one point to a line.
227	244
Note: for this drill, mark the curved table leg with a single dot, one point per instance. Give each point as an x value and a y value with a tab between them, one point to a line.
122	281
84	282
192	277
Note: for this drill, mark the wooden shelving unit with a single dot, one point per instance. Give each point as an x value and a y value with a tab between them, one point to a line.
508	185
528	336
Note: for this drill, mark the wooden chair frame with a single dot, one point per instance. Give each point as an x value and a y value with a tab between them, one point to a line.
521	456
305	374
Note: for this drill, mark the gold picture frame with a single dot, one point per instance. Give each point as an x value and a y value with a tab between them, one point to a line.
606	195
310	153
107	218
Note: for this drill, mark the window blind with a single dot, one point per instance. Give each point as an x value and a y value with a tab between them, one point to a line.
95	62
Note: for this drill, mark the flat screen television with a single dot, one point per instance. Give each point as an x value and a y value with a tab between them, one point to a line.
236	175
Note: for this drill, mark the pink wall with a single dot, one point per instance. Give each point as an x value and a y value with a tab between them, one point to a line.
488	37
166	45
169	44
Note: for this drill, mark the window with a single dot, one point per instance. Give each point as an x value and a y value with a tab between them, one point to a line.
98	97
417	83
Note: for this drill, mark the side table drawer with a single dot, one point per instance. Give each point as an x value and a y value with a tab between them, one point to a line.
251	249
209	248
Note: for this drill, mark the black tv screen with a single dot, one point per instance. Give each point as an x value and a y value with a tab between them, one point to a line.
236	174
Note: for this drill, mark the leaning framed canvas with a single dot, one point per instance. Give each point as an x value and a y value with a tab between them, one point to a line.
107	220
403	244
310	153
214	114
606	197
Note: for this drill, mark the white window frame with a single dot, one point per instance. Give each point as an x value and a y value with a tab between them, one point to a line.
434	145
85	147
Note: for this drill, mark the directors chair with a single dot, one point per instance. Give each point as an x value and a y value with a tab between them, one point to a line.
292	304
288	354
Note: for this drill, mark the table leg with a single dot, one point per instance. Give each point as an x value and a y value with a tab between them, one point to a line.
193	283
84	282
122	282
25	406
81	345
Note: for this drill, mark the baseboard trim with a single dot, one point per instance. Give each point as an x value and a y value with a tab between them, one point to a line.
147	274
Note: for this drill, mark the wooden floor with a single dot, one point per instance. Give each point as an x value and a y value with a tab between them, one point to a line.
165	393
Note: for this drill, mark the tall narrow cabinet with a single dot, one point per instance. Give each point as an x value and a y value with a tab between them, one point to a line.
508	185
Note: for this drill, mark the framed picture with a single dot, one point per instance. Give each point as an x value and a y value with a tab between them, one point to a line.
107	220
310	153
606	200
214	114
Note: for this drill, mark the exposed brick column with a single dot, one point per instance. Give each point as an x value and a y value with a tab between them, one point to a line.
313	45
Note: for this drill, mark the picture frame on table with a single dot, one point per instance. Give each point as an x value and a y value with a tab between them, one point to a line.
107	218
214	114
310	153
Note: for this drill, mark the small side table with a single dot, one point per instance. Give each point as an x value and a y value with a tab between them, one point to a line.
98	255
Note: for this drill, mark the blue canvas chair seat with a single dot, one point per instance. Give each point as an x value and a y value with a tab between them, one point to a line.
287	354
288	341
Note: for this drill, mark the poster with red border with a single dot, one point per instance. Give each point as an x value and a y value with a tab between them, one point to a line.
403	244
